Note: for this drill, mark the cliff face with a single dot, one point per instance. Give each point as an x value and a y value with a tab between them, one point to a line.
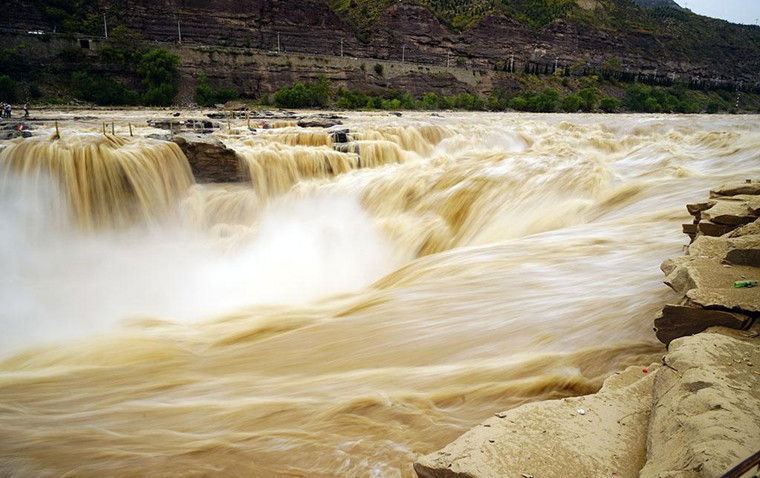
311	39
413	33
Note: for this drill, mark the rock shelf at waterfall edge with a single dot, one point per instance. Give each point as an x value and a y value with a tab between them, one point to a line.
692	415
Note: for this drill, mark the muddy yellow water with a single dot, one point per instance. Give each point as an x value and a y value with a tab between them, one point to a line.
350	307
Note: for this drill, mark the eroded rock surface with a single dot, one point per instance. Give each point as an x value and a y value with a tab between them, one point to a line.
707	399
595	435
210	160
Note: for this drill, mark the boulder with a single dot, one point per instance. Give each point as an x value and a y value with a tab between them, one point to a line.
729	213
210	160
705	419
734	189
708	283
166	123
708	228
696	208
318	122
339	136
596	435
709	247
677	321
160	137
236	106
744	251
750	229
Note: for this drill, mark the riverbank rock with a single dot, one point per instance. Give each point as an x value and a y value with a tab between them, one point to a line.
707	398
725	249
210	160
694	417
730	206
596	435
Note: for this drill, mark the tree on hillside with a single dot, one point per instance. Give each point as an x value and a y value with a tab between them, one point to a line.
160	76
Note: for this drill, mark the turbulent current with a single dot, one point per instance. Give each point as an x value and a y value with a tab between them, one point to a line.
351	306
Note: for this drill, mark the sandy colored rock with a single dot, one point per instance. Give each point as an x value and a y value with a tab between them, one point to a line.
589	436
709	228
707	399
696	208
708	283
677	321
734	189
729	213
744	251
709	247
747	230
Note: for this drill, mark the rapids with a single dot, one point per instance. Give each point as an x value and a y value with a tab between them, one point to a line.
352	306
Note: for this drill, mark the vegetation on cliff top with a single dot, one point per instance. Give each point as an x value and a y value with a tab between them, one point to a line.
677	28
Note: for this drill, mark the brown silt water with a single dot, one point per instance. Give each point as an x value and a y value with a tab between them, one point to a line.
348	308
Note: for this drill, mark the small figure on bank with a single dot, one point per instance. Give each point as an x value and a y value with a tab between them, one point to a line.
2	109
8	110
26	110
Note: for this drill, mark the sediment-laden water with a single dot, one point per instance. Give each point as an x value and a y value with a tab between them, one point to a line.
350	307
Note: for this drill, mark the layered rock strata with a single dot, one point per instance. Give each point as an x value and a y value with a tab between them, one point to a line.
725	251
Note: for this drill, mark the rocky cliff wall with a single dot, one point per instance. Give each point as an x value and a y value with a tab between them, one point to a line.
411	31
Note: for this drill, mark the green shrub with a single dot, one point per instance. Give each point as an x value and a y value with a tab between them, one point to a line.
309	95
635	98
205	95
160	76
379	69
430	101
571	103
610	105
8	89
588	97
518	103
687	106
651	105
102	90
714	106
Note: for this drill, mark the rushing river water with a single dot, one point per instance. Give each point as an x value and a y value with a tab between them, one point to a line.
352	306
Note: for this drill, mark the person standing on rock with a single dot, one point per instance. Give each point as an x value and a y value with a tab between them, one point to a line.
26	110
8	110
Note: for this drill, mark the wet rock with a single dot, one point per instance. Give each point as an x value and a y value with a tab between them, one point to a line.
609	439
167	123
705	418
677	321
339	136
318	122
11	130
210	160
160	137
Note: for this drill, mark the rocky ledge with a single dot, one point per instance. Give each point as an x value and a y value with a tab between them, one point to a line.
723	258
694	415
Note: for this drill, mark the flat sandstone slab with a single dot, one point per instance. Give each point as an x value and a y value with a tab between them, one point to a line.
589	436
707	414
708	283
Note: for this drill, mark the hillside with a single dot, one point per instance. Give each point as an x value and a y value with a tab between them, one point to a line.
480	32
